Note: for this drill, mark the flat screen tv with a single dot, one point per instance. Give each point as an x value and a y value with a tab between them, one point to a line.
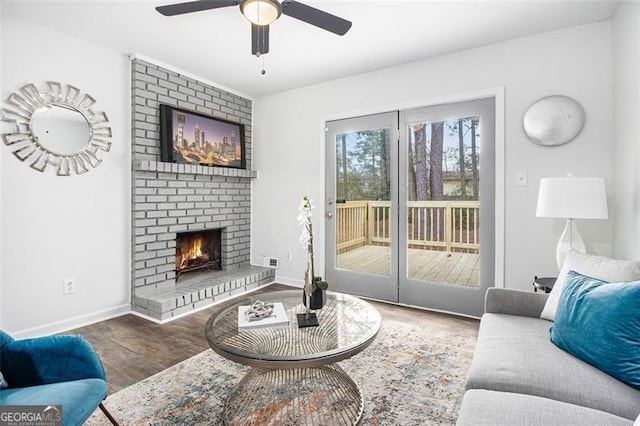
192	138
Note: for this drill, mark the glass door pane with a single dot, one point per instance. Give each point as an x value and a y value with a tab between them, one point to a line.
361	227
363	241
443	202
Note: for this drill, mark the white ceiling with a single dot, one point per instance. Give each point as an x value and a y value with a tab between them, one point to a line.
216	44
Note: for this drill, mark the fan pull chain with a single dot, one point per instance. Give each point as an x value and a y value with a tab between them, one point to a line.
263	72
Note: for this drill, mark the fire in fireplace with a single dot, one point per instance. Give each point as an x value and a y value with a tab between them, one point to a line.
197	250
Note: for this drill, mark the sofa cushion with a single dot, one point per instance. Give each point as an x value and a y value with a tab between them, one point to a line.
599	267
514	354
4	339
483	407
599	323
78	398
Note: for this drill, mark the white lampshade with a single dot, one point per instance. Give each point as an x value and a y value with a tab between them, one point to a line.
572	197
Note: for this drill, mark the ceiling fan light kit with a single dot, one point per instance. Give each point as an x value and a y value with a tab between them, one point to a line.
261	13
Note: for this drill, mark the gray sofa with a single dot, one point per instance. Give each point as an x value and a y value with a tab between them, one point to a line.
519	377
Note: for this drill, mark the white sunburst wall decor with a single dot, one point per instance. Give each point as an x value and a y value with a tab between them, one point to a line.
24	105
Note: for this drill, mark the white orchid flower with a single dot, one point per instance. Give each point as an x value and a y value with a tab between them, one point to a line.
312	282
304	220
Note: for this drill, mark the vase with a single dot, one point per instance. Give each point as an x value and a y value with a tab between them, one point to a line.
318	299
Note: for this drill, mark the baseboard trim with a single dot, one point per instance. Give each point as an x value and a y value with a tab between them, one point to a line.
72	323
294	282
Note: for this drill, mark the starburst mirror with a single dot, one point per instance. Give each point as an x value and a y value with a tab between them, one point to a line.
56	127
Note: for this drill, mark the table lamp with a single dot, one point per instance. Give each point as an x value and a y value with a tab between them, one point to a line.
571	197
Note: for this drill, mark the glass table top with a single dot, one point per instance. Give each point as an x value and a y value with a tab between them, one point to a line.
347	326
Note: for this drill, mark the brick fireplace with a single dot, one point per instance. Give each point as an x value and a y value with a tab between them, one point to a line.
169	199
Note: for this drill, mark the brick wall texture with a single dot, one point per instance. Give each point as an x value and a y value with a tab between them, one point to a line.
170	198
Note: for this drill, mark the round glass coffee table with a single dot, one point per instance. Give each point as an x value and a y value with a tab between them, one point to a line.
295	378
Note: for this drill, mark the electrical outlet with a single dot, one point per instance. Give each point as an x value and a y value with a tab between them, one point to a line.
287	255
521	178
68	286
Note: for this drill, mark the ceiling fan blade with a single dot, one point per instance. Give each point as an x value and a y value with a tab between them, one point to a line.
194	6
316	17
259	39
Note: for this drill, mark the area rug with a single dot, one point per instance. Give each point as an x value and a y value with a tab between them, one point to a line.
411	375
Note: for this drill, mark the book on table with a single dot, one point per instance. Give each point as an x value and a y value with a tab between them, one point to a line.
278	318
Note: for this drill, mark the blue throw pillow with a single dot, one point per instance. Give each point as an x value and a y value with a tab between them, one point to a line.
599	323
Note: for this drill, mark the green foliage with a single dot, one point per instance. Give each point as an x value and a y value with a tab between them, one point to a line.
318	282
364	173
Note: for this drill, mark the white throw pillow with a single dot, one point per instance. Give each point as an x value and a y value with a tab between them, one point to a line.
602	268
637	422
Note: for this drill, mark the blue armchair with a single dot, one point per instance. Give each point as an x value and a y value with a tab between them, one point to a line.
54	370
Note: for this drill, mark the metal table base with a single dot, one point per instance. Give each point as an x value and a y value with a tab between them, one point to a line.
299	396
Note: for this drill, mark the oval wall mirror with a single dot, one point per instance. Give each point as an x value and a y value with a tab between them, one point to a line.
62	129
57	127
553	120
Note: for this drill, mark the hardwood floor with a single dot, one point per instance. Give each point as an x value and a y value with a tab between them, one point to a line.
132	348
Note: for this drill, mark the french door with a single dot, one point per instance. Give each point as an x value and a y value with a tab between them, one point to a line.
404	192
362	214
447	202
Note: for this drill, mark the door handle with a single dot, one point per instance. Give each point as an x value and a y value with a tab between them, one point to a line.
329	215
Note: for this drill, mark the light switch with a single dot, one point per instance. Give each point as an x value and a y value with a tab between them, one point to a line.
521	178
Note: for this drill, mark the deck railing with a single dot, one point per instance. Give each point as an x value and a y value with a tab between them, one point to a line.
438	225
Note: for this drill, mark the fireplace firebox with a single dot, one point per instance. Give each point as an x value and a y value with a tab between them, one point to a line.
198	250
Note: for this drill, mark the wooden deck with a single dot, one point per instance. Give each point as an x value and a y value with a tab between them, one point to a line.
428	265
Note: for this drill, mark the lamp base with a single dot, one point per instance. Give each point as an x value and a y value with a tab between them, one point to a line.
570	239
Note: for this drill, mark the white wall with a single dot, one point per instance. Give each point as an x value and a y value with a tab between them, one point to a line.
625	211
575	62
59	227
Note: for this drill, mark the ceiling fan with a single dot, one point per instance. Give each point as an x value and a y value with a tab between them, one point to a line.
261	13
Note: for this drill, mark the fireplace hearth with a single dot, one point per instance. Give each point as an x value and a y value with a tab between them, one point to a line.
198	250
